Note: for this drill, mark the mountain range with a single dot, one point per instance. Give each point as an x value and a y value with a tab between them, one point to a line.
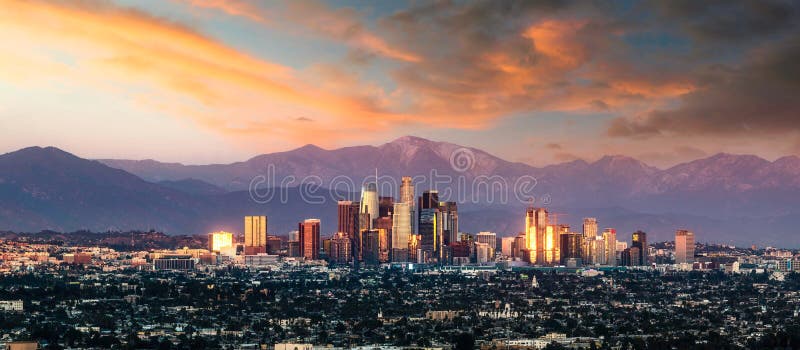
740	199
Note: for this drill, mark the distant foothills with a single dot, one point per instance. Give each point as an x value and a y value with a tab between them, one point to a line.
733	199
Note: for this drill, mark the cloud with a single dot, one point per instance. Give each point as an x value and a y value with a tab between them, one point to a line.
235	8
755	98
316	18
174	68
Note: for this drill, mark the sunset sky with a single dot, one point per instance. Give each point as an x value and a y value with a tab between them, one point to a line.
199	81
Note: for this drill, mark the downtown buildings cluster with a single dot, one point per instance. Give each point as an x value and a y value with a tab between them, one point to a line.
425	230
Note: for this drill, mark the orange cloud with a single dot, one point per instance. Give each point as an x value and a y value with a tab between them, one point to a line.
234	8
109	45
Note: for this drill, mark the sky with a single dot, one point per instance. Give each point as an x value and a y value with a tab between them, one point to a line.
540	82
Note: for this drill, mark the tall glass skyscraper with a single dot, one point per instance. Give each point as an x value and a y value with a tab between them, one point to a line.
369	201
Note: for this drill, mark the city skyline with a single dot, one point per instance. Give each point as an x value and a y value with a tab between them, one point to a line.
541	83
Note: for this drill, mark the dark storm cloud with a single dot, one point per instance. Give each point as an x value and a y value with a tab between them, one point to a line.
731	21
757	97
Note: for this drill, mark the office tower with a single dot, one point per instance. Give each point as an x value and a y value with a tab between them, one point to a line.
364	223
429	200
413	248
571	244
347	218
449	222
369	202
589	233
460	253
273	245
294	235
309	238
430	226
489	238
519	247
340	251
535	234
385	206
551	245
401	230
483	253
610	246
596	253
507	246
255	235
384	227
218	241
408	196
371	246
639	241
684	247
627	256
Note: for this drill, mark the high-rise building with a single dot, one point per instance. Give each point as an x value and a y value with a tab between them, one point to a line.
364	223
385	206
408	196
535	234
371	246
219	241
483	253
489	238
430	226
684	247
639	241
610	246
589	233
507	246
401	230
309	238
551	246
429	200
369	201
449	222
255	235
348	217
571	245
340	252
519	247
384	227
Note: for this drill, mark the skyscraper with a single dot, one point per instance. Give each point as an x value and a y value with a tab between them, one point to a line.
490	238
385	206
341	250
309	238
449	222
610	246
571	244
408	196
535	233
371	245
384	226
684	247
430	225
217	241
589	234
347	214
401	230
255	235
639	241
369	201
